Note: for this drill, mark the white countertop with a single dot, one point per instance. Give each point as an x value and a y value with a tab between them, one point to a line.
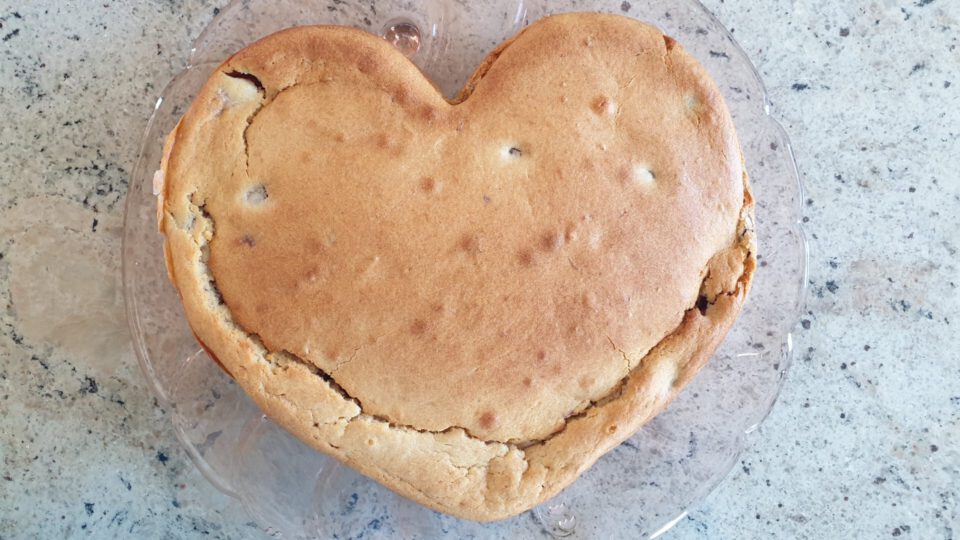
862	443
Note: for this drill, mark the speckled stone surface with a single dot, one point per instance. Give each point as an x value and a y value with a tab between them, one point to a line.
863	442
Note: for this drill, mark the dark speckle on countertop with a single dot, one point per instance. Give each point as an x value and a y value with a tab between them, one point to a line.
89	386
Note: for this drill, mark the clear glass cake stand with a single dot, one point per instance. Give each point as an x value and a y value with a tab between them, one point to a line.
640	489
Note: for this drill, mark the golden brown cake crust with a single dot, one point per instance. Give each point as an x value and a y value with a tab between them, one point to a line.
467	301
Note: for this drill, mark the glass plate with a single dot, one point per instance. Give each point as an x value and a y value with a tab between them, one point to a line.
645	485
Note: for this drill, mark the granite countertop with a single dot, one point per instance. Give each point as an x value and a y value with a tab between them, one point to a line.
862	443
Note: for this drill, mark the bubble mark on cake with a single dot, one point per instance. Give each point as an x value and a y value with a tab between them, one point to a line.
604	106
488	420
418	327
511	152
525	257
557	519
429	185
256	195
470	244
402	34
641	175
551	241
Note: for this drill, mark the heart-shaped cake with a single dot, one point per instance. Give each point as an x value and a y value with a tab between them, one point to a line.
469	301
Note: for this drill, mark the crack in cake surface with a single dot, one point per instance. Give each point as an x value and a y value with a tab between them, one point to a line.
613	392
207	236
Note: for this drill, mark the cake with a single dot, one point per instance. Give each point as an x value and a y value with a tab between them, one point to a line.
470	301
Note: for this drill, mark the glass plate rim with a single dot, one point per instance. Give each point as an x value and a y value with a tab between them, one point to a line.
795	226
